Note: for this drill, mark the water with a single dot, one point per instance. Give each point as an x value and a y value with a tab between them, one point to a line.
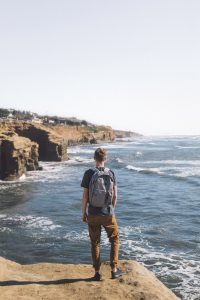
158	210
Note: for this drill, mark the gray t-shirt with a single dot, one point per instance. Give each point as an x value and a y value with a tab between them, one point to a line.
103	211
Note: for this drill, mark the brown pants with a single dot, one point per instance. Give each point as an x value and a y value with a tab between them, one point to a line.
110	224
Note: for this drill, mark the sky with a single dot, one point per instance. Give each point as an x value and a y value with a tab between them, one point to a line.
131	64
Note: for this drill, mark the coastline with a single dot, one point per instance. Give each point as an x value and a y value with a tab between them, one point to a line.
172	267
24	144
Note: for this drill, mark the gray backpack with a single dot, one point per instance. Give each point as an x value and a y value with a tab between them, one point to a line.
101	188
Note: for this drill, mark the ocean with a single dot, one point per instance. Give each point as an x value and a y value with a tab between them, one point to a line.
158	210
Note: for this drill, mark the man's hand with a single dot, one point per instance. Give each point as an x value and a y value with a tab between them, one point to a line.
84	218
84	204
114	200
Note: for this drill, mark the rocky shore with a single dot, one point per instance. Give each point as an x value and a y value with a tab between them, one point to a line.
23	144
49	281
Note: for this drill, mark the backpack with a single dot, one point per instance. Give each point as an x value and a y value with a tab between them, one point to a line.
101	188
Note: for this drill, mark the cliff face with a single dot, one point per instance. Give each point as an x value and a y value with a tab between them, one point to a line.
52	147
53	140
79	135
23	143
62	281
17	155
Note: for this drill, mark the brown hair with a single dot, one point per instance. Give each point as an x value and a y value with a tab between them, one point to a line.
100	154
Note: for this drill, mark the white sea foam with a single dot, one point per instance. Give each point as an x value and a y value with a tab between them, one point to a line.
5	229
184	270
165	265
145	170
52	171
188	172
29	222
130	167
78	149
187	147
76	236
119	160
173	162
23	177
79	160
177	172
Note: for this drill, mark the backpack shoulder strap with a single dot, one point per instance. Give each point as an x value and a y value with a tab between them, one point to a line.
95	175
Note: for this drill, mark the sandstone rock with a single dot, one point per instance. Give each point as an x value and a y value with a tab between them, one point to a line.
17	155
75	135
52	146
72	281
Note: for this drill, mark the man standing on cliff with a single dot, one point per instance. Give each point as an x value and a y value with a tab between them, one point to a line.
100	195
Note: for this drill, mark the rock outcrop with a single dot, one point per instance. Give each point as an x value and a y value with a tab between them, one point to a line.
17	156
52	146
75	135
66	281
126	134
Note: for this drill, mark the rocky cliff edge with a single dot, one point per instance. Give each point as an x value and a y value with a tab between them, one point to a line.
50	281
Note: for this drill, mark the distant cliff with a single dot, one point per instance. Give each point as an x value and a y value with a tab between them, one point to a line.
85	134
126	134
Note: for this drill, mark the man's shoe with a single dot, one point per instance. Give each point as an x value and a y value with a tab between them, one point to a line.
97	277
116	274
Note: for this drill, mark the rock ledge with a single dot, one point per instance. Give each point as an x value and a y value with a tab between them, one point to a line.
49	281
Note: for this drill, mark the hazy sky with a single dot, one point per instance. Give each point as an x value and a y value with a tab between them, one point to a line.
131	64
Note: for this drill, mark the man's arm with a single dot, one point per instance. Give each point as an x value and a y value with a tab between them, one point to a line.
114	201
84	204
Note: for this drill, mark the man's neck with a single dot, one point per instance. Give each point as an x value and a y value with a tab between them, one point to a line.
100	165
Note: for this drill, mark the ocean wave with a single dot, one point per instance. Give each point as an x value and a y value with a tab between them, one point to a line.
187	147
173	162
176	172
119	160
188	172
4	185
145	170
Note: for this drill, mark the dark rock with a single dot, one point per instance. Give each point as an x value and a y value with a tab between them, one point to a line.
17	155
93	141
